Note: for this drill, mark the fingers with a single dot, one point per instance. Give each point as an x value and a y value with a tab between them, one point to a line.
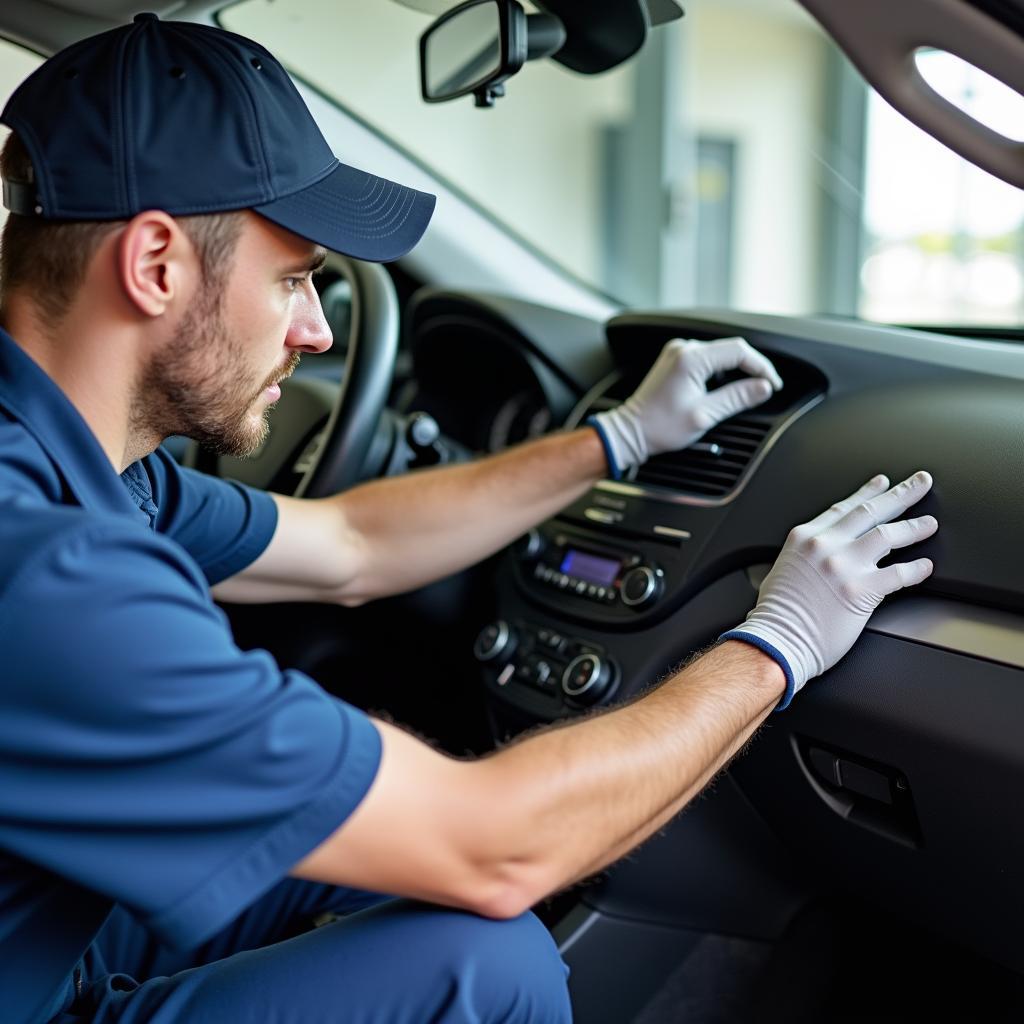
893	503
875	486
733	398
736	353
729	354
905	574
877	543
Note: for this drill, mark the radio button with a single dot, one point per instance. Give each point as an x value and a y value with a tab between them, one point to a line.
534	671
603	515
550	639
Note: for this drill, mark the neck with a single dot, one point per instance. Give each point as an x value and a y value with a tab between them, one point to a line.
94	362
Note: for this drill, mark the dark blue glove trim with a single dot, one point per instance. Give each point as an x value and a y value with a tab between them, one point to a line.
613	466
772	652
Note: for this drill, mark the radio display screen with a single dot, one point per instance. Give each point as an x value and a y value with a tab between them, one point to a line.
591	568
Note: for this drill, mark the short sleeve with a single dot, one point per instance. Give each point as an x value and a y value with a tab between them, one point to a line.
222	524
143	755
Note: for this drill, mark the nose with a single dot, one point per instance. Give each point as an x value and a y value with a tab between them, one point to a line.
308	330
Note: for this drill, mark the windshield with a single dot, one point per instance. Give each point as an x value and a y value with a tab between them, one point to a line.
738	161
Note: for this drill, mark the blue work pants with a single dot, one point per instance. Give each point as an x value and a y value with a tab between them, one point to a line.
383	961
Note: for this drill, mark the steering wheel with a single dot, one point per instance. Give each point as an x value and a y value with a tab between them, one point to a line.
327	457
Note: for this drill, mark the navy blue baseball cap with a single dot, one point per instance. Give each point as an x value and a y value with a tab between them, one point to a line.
192	119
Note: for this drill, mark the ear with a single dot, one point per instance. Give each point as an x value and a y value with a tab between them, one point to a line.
155	262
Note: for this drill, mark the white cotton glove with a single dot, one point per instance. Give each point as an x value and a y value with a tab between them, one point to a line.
825	584
672	407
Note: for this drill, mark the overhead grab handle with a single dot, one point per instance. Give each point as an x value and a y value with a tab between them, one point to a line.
882	39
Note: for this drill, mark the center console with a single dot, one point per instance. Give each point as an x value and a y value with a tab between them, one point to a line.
582	595
588	603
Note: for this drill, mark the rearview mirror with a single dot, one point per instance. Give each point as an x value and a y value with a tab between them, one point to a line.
476	46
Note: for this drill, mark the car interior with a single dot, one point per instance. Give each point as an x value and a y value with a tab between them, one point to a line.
613	174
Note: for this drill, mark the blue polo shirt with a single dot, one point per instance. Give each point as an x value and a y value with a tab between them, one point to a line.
144	759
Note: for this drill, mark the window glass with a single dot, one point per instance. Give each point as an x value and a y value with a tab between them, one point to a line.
738	160
945	240
532	172
16	64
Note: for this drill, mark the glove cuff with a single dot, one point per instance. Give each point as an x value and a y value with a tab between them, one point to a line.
623	436
609	453
773	652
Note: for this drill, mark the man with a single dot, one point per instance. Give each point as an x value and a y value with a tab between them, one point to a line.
173	810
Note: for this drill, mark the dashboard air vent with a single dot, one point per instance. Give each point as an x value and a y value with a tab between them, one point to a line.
712	466
711	469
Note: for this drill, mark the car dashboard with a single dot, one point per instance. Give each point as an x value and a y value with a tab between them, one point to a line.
895	776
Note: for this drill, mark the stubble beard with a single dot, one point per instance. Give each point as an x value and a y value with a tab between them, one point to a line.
200	386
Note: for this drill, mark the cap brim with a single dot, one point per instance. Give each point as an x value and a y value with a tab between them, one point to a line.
355	213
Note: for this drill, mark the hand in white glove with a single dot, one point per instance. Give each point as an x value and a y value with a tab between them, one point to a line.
672	407
825	584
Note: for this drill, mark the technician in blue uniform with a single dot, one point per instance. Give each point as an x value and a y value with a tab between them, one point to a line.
173	810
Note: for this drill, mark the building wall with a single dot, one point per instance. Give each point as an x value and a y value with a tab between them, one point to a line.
756	75
753	74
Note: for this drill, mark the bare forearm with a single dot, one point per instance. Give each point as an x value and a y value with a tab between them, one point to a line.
581	797
649	828
426	525
500	833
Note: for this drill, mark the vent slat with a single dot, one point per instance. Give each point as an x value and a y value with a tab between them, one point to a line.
738	441
706	467
750	436
692	486
709	479
700	472
724	481
726	460
704	474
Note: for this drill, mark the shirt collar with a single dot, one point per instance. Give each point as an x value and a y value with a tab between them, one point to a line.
29	395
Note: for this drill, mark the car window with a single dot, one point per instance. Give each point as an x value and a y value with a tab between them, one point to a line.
794	188
944	239
16	63
788	186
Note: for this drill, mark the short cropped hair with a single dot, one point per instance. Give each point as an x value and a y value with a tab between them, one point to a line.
48	259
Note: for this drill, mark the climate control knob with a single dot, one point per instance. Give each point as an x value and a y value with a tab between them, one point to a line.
641	587
495	642
587	678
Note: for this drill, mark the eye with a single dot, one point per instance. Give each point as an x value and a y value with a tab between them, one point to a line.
293	284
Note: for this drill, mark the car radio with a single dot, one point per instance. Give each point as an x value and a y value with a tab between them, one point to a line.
589	572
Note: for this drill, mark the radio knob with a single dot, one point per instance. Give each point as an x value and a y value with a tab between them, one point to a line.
495	641
586	678
529	546
641	586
